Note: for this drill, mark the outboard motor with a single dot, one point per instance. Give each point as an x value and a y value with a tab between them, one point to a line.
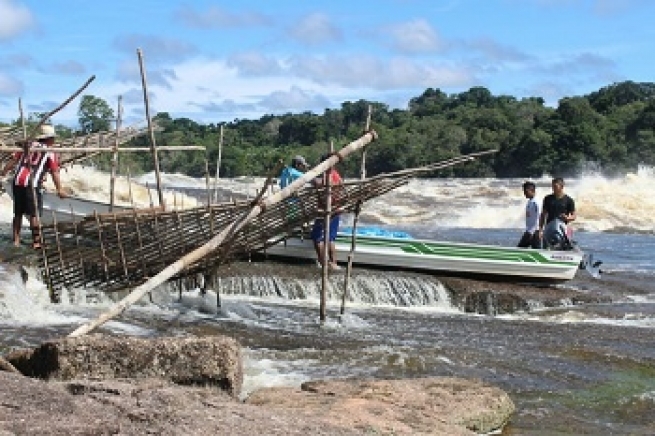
556	236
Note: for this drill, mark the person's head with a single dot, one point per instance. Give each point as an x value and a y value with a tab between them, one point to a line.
299	163
46	134
558	185
529	189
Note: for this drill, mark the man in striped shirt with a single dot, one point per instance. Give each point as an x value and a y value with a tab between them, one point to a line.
29	174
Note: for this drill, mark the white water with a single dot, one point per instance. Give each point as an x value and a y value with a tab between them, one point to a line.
623	204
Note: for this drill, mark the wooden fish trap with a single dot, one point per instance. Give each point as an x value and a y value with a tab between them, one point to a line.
114	251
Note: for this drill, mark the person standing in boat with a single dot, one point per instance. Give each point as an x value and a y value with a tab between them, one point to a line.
293	172
29	175
290	174
557	212
318	232
530	238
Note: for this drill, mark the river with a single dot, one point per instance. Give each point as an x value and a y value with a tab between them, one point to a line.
571	369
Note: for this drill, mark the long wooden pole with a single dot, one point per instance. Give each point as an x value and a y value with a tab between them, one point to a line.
227	233
325	253
218	164
5	365
114	155
151	130
56	149
358	208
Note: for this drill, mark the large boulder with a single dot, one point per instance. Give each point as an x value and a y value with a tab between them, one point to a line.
137	407
418	406
207	361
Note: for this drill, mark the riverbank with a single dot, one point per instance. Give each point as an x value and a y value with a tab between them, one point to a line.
84	396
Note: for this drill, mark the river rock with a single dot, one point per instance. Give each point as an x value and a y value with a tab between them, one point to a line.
138	407
209	360
417	406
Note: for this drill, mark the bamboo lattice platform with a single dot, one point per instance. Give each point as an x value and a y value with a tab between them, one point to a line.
115	251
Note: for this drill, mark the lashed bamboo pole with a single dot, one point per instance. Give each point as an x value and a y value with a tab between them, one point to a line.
218	164
325	253
8	367
107	149
153	144
114	155
358	208
209	247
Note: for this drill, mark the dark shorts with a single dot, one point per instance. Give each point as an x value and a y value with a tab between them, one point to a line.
530	240
318	235
24	201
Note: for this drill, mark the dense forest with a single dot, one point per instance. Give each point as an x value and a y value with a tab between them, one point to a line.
612	129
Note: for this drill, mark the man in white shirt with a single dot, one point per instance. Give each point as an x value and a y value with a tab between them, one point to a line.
531	237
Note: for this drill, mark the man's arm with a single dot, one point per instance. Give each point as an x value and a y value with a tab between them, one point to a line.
542	218
57	182
570	214
9	165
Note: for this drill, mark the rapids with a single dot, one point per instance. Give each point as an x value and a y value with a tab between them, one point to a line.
570	368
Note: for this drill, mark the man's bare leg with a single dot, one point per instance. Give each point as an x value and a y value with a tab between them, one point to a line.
36	232
16	227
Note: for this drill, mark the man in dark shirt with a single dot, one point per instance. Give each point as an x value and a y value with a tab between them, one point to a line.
557	205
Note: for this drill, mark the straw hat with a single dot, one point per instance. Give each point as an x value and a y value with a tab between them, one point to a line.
46	131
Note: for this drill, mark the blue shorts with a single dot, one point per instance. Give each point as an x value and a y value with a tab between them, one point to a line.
317	230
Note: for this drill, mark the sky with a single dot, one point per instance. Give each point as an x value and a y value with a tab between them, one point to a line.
216	61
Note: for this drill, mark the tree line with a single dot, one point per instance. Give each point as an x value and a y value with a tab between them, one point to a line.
612	128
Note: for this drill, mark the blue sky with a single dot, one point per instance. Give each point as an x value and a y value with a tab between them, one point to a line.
215	61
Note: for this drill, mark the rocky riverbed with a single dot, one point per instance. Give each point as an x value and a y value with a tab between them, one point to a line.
107	385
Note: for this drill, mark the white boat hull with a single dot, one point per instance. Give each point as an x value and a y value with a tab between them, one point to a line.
445	257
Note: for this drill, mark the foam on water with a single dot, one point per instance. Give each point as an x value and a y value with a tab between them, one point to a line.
25	303
259	372
620	204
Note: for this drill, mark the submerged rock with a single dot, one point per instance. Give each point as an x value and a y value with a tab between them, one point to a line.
418	406
210	360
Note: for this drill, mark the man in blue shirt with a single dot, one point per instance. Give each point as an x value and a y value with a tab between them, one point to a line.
294	171
290	174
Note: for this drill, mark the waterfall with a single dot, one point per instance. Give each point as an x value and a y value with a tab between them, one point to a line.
381	288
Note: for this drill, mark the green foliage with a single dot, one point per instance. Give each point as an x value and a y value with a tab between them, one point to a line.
94	114
613	128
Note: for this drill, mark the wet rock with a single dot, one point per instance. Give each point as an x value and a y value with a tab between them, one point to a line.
490	303
419	406
138	407
211	360
496	297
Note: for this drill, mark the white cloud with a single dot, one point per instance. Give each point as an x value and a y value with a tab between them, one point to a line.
129	72
9	86
15	19
376	73
155	48
254	64
294	100
218	18
416	36
68	67
315	29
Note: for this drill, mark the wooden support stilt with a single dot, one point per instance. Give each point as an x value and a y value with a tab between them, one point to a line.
120	247
325	254
129	188
144	266
114	156
358	209
218	164
151	130
59	254
152	204
77	245
103	252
